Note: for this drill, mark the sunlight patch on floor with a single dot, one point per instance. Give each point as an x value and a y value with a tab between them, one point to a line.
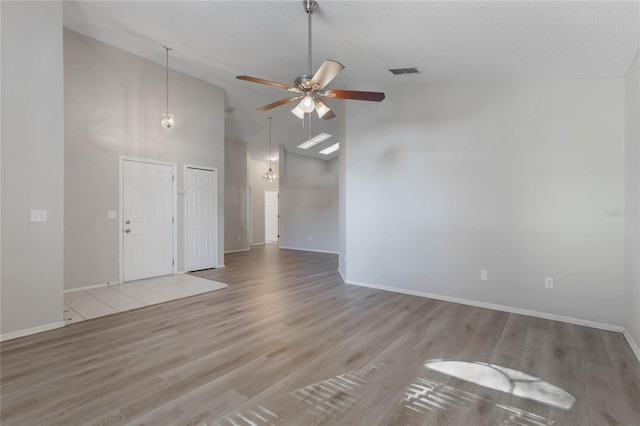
505	380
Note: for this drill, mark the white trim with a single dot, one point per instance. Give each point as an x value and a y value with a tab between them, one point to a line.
634	345
342	276
527	312
220	266
174	166
29	331
89	287
257	244
236	251
305	249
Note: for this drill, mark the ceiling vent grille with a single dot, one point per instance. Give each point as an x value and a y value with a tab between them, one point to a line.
401	71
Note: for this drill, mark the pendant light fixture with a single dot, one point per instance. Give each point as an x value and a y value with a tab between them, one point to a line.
270	176
167	119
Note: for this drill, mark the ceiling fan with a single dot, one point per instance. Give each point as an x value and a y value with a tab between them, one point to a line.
310	88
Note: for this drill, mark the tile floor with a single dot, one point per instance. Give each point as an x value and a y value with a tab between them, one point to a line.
97	302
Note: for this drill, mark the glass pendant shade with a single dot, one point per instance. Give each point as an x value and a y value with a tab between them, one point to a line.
167	120
322	109
298	112
307	104
270	176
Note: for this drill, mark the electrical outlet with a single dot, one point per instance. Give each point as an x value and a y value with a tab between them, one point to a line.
38	215
484	275
548	282
111	214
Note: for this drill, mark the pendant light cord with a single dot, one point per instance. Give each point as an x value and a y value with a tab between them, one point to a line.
167	68
270	155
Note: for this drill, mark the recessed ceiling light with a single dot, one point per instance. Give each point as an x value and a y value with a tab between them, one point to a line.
332	148
314	141
401	71
273	158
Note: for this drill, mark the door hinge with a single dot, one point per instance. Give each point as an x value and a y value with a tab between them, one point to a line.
173	178
173	219
173	262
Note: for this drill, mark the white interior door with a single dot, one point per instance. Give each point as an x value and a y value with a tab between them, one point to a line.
202	219
147	214
271	216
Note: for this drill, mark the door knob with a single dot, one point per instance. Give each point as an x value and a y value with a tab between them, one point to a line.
127	230
128	222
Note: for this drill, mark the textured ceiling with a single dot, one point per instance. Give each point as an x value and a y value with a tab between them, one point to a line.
447	41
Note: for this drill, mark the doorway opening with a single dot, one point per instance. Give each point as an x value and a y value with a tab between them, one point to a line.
271	217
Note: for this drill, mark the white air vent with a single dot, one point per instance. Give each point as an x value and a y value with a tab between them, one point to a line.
400	71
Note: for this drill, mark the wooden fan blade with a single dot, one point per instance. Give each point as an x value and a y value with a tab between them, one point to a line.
267	82
327	72
277	103
354	94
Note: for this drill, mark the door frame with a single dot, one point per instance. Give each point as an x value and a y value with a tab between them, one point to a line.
174	196
186	216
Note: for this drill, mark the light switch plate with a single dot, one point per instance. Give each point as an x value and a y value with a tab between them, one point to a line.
38	215
111	214
483	275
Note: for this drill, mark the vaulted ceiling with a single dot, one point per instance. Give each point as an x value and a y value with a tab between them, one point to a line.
446	41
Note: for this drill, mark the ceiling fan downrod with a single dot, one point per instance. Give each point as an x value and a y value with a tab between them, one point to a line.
310	6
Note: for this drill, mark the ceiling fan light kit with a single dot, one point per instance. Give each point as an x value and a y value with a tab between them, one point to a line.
310	87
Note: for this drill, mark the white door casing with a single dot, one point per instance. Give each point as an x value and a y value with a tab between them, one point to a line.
147	219
201	218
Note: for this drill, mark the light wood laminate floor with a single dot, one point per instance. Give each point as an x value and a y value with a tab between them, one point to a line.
289	343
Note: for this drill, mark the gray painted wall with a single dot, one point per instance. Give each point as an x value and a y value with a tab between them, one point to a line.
235	196
32	165
299	165
113	102
446	180
308	204
632	168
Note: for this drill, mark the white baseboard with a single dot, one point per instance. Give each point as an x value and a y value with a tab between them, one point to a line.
634	345
236	251
527	312
342	276
220	266
29	331
257	244
306	249
89	287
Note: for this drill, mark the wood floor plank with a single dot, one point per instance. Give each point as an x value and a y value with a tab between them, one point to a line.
288	343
